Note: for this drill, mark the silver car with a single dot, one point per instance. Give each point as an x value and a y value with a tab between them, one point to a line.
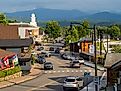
72	82
48	65
75	63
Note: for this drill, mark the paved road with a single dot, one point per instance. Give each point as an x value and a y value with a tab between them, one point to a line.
51	80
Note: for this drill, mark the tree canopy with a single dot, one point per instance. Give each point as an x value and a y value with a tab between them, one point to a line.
3	19
53	29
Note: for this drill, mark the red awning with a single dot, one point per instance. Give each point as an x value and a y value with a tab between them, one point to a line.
4	53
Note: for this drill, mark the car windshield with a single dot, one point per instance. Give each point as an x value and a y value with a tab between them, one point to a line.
70	80
48	63
75	61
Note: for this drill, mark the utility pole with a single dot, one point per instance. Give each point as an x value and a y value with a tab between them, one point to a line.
96	85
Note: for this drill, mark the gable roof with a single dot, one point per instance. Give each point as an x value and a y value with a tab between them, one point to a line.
7	43
4	53
8	32
112	59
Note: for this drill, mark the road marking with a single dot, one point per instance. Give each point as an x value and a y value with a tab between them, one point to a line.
45	72
54	71
76	70
85	70
49	71
90	70
63	71
67	71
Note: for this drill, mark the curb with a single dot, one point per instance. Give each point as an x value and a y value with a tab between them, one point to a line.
22	81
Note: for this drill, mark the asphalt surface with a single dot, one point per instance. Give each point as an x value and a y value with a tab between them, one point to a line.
52	80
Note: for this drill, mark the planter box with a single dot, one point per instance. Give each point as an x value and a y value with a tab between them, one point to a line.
16	75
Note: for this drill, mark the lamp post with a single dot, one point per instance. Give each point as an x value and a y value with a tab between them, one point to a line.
94	28
96	85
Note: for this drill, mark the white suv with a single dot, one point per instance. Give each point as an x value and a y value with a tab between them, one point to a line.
72	82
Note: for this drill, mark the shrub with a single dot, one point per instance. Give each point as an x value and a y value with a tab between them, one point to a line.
12	71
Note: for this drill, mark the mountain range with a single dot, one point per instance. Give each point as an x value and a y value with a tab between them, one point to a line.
44	14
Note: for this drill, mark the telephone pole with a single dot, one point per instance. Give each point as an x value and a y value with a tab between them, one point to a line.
95	55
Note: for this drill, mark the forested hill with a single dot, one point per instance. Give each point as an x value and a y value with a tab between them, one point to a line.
44	14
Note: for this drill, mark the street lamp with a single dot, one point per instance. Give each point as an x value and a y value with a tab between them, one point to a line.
95	55
96	85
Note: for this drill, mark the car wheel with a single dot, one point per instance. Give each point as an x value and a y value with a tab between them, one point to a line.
78	88
64	89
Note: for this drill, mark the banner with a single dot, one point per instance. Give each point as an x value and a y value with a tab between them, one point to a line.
15	60
1	64
6	62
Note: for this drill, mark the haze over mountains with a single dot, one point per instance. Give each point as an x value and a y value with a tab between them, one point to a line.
44	14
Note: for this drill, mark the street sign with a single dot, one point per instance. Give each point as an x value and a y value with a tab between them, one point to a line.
91	48
86	74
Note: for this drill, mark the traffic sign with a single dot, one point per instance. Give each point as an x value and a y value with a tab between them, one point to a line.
86	74
91	48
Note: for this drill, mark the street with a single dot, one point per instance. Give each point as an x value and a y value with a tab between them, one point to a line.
52	80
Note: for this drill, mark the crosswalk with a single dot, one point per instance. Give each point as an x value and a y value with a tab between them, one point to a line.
67	71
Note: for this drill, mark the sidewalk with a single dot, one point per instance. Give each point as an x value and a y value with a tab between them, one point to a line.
90	64
35	72
91	87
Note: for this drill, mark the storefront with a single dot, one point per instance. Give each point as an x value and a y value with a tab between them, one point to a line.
8	59
113	65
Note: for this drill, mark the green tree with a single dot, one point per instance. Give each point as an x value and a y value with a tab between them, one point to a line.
114	31
53	29
81	31
72	35
3	19
117	49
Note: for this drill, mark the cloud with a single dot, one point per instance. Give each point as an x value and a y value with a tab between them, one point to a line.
83	5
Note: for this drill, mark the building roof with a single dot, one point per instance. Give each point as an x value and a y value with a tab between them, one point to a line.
85	39
8	32
4	53
6	43
21	24
112	59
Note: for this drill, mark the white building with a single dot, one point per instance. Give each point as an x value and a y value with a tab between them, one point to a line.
111	44
27	30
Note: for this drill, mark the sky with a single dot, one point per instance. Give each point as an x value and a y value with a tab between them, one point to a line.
82	5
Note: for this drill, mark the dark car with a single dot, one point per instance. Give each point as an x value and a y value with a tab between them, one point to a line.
57	50
48	65
45	54
41	60
40	48
51	49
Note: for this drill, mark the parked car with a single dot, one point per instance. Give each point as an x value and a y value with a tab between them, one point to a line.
72	82
40	48
45	54
57	50
81	60
41	60
48	65
75	63
51	49
65	56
